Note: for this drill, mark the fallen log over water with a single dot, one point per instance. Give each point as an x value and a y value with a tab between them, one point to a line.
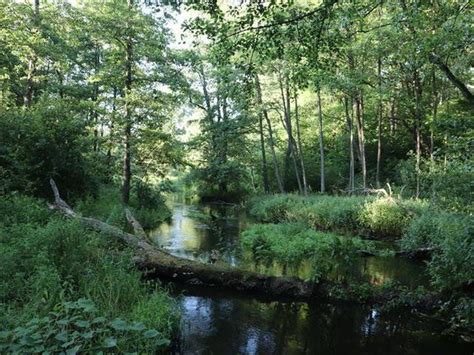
161	264
421	254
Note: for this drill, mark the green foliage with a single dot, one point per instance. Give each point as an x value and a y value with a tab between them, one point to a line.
274	209
330	213
390	217
46	141
20	209
76	327
147	205
46	261
381	217
451	237
331	256
448	184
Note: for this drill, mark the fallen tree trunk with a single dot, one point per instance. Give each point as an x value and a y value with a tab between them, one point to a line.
420	254
161	264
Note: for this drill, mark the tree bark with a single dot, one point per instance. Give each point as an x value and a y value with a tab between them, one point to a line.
435	59
360	136
274	156
418	117
435	102
379	124
321	143
290	151
300	146
127	171
266	184
350	125
28	97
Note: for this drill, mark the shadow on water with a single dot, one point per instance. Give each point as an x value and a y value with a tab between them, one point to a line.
220	322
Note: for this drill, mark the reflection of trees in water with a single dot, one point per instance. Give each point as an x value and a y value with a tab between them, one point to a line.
230	325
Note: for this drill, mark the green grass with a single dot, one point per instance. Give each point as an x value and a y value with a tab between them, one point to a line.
331	256
356	215
47	261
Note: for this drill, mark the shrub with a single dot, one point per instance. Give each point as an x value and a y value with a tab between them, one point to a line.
148	206
452	237
17	209
329	213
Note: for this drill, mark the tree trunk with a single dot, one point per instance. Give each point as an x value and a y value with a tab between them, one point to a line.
435	115
452	78
274	157
127	171
360	135
418	116
159	263
300	146
31	71
266	185
350	125
379	124
321	143
290	150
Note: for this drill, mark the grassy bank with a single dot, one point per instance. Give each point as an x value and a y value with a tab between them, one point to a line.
297	228
65	288
356	215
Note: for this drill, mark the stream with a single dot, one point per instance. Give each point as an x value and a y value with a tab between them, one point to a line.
222	322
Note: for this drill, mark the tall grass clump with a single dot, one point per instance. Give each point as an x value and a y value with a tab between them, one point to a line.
377	217
274	209
390	217
331	256
329	213
47	263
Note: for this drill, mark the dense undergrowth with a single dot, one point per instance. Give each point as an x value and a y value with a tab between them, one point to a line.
147	204
355	215
331	256
65	288
297	228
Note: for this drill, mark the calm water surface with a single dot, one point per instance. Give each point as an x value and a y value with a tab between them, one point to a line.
217	322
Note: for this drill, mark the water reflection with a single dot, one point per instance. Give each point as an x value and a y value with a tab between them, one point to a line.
195	231
225	324
219	322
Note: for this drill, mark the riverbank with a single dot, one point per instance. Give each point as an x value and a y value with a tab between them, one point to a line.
299	231
67	288
218	320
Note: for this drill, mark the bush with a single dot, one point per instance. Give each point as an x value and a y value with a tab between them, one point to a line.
20	209
273	209
47	140
452	237
329	213
448	184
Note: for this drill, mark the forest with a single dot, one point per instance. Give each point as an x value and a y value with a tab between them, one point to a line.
165	162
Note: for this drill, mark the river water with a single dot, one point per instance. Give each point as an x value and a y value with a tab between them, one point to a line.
219	322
